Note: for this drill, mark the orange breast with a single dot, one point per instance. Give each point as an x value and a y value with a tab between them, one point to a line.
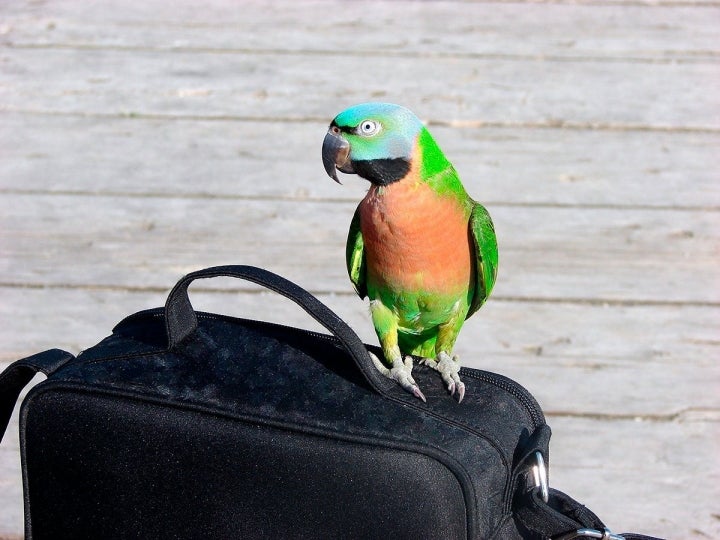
414	239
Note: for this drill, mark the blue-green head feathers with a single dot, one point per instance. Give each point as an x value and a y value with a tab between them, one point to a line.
379	130
373	140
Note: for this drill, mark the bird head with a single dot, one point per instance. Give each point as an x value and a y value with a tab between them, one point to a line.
372	140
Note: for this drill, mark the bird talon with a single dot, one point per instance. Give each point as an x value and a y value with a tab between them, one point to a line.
449	369
461	392
418	394
379	365
400	372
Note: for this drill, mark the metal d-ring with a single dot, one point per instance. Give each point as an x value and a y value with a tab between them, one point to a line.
591	533
541	478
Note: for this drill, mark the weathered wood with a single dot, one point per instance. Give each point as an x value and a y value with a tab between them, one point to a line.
154	138
11	494
625	33
301	87
166	157
641	476
548	253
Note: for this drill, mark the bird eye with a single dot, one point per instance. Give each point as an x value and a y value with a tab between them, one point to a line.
369	127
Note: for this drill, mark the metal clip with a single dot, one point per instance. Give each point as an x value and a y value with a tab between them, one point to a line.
540	474
591	533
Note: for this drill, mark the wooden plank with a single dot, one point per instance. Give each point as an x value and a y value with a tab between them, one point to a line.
555	350
626	33
607	305
648	477
235	159
464	90
11	495
598	254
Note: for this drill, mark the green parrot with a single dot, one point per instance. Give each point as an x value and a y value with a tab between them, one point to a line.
419	247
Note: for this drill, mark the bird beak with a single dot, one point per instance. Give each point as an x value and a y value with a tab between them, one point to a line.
335	154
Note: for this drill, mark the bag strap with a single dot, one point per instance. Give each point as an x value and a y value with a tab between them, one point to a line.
181	320
563	518
20	373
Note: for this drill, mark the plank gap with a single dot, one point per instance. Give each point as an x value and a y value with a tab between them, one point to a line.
338	200
666	56
602	302
469	124
694	414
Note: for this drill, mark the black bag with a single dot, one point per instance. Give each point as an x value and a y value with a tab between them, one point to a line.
194	425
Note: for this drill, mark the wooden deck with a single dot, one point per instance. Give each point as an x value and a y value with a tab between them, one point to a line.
142	140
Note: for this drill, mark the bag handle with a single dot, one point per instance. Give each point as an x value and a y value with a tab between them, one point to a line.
18	374
181	320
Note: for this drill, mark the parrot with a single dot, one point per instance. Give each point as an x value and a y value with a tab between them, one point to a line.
419	247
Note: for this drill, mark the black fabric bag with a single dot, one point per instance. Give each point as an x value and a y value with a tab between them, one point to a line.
194	425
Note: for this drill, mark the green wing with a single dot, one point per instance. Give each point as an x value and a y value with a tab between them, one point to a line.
486	255
355	255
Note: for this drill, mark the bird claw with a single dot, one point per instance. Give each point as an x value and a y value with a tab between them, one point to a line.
449	369
401	372
418	393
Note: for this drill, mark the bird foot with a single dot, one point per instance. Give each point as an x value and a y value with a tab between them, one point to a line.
400	372
449	369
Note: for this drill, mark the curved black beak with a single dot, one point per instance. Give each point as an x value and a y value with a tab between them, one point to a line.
335	152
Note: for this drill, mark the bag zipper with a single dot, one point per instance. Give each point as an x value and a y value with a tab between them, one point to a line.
512	387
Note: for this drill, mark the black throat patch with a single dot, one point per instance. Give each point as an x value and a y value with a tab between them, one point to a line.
382	172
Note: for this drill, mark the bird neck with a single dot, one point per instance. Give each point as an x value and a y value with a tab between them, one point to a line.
382	172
